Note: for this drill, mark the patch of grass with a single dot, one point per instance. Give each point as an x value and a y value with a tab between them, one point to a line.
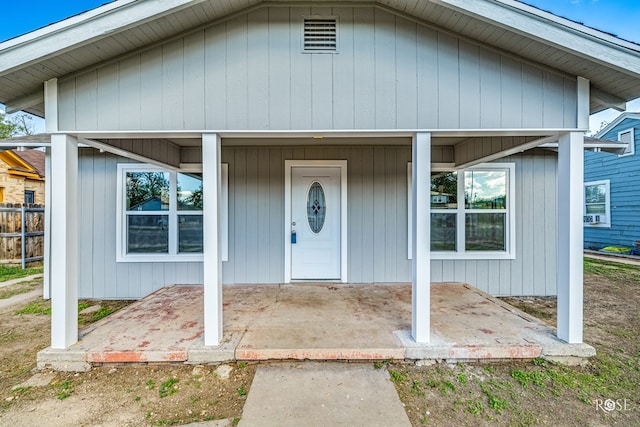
150	385
462	378
39	307
475	407
65	390
497	403
379	364
22	391
242	365
7	337
101	313
612	270
242	391
169	387
8	273
397	376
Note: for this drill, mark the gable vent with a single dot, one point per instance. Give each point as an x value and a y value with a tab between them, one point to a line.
320	34
627	137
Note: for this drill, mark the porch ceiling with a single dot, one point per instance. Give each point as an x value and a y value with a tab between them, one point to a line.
457	150
125	26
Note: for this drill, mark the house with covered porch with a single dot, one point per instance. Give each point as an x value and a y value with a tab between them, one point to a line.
249	142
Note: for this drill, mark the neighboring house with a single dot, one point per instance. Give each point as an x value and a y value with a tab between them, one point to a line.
22	176
307	142
612	190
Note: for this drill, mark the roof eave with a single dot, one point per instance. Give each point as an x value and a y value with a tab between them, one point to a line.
81	30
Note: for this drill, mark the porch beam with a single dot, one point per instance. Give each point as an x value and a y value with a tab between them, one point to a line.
211	190
142	151
421	261
24	102
608	100
64	241
570	238
493	148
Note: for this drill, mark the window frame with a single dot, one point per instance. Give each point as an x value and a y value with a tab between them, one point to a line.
461	253
173	213
632	144
607	203
32	195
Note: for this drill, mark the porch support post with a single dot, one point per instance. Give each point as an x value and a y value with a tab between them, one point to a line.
421	261
211	190
570	236
64	241
46	282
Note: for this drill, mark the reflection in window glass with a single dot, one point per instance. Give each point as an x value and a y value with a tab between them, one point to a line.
595	197
485	189
147	234
190	233
485	231
443	231
147	191
444	190
189	192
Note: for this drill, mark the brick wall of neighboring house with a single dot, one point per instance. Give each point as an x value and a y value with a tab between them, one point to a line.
12	187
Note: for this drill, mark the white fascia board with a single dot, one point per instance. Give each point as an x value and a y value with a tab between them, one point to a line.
616	122
553	30
82	29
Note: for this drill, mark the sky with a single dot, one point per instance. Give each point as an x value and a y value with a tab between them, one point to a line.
618	17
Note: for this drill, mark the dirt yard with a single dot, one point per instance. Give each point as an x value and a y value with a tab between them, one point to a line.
605	392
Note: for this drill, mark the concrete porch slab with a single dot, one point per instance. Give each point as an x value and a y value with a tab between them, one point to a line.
314	321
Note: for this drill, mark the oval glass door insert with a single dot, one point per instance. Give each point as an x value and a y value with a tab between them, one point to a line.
316	207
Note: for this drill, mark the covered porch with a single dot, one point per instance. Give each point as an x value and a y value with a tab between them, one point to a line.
425	151
314	321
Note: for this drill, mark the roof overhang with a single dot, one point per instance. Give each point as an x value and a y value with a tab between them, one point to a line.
612	65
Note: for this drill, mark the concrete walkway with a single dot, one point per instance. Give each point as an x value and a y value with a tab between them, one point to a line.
314	321
322	394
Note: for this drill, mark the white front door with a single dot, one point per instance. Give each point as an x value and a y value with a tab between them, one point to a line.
315	223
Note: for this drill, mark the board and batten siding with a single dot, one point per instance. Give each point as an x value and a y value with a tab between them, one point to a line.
623	174
249	73
100	276
377	224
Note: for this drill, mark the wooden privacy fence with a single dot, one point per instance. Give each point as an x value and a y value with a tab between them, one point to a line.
21	233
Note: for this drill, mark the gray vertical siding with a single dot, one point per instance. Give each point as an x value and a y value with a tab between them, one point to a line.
377	224
249	73
100	275
377	215
533	271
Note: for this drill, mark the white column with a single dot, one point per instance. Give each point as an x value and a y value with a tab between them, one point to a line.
584	99
421	262
51	105
570	236
211	190
64	241
51	125
46	282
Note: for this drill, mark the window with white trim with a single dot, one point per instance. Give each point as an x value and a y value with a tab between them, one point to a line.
160	216
472	212
627	136
597	204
